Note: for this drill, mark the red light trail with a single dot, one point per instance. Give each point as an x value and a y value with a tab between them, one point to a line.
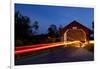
26	49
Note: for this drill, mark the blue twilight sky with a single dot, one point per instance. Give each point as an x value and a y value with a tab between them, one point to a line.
58	15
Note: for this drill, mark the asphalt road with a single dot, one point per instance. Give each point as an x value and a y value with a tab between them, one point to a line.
57	55
37	47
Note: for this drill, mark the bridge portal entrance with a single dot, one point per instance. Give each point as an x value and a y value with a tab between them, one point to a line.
75	35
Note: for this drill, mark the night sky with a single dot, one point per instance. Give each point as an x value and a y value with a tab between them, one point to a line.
47	15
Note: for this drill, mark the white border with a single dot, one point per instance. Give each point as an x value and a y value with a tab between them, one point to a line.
75	3
79	3
4	34
12	35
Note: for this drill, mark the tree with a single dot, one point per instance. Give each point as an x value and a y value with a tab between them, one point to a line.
52	31
35	27
60	27
22	26
93	25
91	35
93	30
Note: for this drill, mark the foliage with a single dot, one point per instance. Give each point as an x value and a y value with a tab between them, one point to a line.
53	32
22	26
35	27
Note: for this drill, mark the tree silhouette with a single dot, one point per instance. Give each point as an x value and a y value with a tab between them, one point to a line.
60	27
35	26
22	26
93	25
91	35
93	29
52	31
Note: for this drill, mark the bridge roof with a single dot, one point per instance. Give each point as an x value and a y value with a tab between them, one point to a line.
78	25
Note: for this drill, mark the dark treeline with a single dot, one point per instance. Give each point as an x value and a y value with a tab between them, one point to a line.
26	31
22	27
91	36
